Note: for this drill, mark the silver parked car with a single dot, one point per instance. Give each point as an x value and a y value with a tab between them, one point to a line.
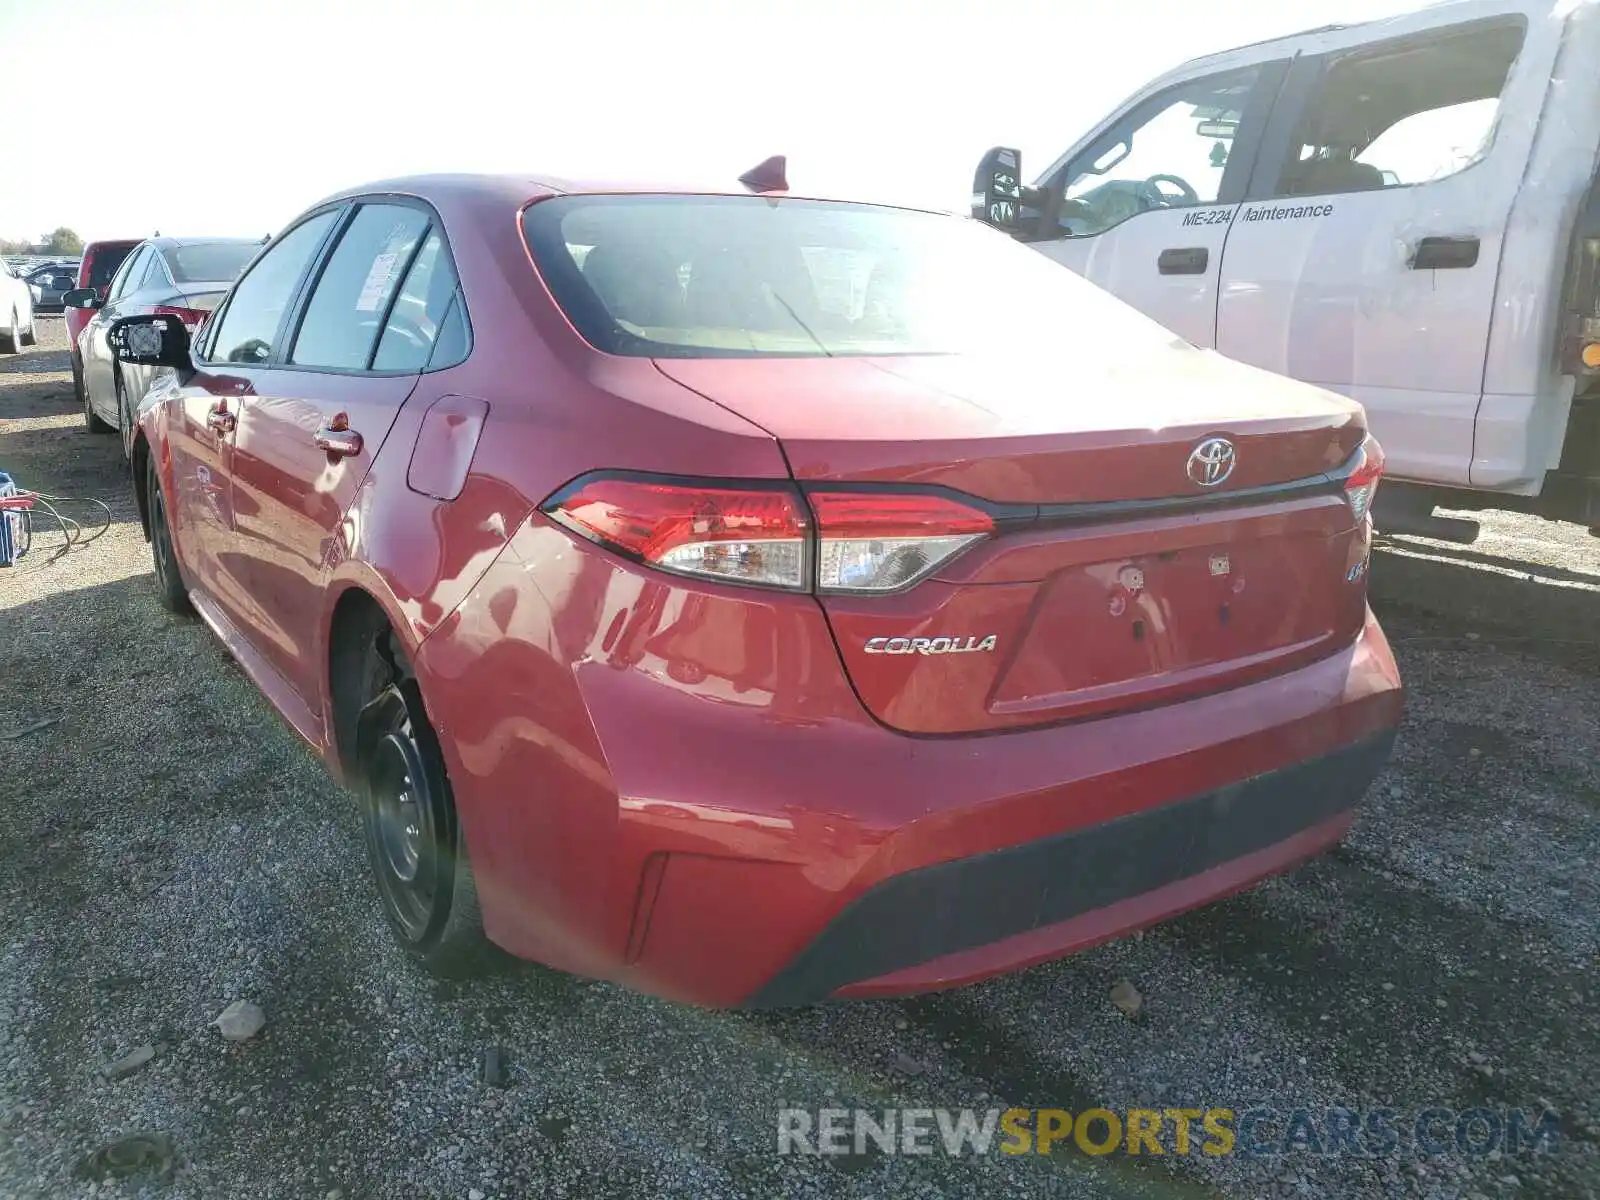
185	277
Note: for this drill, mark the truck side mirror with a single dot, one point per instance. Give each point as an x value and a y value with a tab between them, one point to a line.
997	189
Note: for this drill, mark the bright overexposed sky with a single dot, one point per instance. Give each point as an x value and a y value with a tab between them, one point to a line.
230	116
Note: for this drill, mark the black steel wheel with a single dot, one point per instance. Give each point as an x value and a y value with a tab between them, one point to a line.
414	841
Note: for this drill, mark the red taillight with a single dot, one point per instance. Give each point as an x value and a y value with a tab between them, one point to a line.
1362	483
868	542
191	317
737	534
878	542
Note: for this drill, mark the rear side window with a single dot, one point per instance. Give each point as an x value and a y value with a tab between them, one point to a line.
1402	114
131	271
351	298
209	262
425	324
249	327
150	273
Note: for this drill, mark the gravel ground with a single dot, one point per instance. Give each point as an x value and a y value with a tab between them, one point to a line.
167	847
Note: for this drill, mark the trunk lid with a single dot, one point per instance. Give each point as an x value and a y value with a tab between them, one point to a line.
1032	431
1114	579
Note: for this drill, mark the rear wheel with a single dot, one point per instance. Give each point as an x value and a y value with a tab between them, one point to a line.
11	336
77	379
124	416
170	591
92	421
30	336
414	841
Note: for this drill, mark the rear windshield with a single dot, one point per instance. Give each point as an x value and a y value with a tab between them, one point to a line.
741	276
209	262
103	264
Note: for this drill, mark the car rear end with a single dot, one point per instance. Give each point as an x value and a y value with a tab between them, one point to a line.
1045	627
96	270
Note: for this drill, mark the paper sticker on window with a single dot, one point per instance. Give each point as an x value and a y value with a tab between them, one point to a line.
376	289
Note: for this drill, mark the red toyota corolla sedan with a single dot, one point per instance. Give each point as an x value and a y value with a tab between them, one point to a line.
754	599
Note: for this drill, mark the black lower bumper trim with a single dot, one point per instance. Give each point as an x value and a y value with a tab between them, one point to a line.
934	911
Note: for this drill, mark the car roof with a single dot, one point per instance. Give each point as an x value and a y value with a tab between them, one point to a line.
1398	17
177	243
518	190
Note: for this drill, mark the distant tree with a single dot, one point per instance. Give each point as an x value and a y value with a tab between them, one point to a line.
63	241
7	246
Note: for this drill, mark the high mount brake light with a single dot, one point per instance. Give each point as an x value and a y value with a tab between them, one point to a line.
1361	485
862	542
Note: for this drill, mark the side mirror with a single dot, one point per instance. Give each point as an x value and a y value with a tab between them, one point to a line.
997	189
81	298
156	340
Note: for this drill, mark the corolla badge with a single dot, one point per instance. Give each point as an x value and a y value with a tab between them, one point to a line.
1211	462
938	645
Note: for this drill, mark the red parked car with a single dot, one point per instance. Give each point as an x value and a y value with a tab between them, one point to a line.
753	599
96	270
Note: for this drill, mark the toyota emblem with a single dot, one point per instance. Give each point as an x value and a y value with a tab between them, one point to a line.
1211	462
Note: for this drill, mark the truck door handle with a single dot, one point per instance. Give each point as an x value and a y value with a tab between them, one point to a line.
220	421
1445	254
1190	260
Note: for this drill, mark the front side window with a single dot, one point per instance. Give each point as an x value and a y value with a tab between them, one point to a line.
249	327
1170	152
352	296
749	276
1402	115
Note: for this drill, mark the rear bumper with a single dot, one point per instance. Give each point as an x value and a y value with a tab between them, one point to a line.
957	921
674	787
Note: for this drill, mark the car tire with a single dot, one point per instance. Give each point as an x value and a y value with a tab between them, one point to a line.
92	421
174	597
31	337
415	844
124	416
11	336
77	378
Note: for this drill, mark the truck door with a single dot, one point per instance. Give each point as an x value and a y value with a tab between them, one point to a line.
1365	256
1146	201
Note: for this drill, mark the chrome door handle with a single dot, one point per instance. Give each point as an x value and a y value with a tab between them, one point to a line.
338	442
220	421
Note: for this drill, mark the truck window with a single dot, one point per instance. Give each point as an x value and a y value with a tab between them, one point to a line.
1402	114
1168	152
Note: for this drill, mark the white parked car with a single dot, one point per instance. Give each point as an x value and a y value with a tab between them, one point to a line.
1406	211
16	312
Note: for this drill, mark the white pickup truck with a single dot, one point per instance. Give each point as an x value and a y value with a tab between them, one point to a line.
1405	211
